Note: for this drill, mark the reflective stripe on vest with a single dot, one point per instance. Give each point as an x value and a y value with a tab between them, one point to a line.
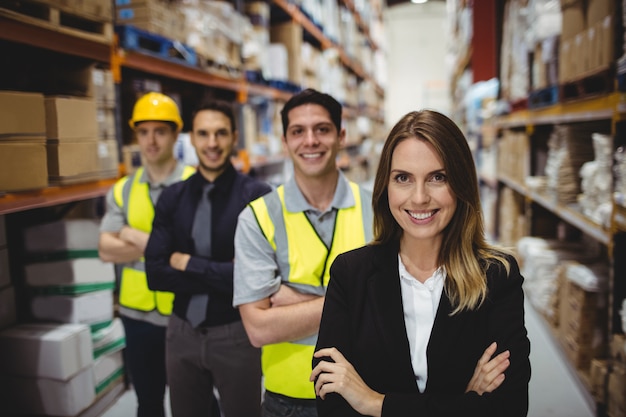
304	261
133	196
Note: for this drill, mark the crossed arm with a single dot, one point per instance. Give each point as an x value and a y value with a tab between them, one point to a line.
339	376
284	316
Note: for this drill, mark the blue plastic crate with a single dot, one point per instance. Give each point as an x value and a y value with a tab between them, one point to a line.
544	97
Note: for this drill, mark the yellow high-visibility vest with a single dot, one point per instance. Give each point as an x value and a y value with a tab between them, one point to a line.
139	210
304	261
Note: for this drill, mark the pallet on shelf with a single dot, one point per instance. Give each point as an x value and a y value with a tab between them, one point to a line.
138	40
592	84
67	20
543	97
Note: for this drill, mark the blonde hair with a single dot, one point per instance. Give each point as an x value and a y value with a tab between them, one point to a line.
464	253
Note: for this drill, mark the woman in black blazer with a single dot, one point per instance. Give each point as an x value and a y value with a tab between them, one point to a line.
428	319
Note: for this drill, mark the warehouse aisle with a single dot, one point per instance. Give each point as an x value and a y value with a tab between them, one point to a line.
555	391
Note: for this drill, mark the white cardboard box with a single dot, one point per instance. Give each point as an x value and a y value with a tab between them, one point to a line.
45	396
45	350
63	235
89	308
68	272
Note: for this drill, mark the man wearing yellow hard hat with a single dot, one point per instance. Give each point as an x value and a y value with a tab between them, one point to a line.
124	233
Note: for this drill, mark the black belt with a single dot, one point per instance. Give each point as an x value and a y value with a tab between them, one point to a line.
303	402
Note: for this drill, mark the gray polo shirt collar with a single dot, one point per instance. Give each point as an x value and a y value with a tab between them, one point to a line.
295	201
171	179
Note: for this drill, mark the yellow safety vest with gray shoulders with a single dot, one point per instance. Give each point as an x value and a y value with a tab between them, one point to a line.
304	261
133	196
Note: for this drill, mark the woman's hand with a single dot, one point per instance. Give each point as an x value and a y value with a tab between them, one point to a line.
340	377
489	373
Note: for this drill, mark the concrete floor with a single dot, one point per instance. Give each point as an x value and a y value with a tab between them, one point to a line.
555	390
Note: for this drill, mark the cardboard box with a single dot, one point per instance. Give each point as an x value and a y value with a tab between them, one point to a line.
62	236
23	164
70	118
45	350
71	158
291	35
598	379
8	312
597	10
90	308
69	272
50	397
108	159
606	41
616	406
565	53
22	113
573	18
106	123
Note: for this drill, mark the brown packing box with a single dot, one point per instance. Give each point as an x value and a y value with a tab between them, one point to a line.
573	18
72	158
565	53
290	34
22	113
617	391
598	9
606	40
598	379
23	164
70	118
108	158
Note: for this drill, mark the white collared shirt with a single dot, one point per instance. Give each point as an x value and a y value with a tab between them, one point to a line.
420	303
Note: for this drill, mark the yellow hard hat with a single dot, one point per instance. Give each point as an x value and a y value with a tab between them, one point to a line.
157	107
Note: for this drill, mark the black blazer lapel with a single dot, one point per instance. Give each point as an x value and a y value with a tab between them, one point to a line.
385	297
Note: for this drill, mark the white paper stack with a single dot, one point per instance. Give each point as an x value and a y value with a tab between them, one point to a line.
540	259
47	369
569	148
596	181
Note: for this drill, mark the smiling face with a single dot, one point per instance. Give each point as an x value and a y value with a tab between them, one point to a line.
214	141
420	198
312	141
156	141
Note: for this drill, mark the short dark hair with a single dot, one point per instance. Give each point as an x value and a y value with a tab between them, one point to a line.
218	106
311	96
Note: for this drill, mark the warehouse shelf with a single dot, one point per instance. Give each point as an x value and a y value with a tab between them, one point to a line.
568	213
363	26
296	14
598	108
51	196
41	37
